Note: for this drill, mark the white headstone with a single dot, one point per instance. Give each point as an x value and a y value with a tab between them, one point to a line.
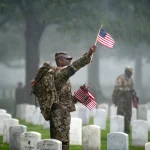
14	136
147	146
3	116
134	114
74	114
93	112
49	144
104	106
91	138
139	132
113	110
76	131
2	111
29	109
7	124
28	140
117	141
22	111
38	119
100	118
117	123
142	112
83	113
148	119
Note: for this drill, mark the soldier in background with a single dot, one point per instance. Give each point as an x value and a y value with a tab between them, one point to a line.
122	97
19	95
60	113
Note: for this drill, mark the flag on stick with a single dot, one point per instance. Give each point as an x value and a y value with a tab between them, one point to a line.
84	96
105	39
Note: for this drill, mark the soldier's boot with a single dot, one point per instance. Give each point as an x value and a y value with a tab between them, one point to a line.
65	146
127	131
127	126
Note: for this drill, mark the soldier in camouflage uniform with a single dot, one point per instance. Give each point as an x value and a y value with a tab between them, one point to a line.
122	97
60	113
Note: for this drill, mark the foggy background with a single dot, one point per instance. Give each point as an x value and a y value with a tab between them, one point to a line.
32	32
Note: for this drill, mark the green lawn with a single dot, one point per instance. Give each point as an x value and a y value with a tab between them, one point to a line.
45	135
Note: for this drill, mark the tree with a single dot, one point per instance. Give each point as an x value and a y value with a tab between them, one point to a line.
35	16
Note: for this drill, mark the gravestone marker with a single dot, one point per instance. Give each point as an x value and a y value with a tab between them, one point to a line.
49	144
91	138
142	112
14	136
147	146
28	140
7	124
139	133
117	123
3	116
117	141
76	131
100	118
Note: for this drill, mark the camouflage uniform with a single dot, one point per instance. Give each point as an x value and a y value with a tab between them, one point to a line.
60	113
122	98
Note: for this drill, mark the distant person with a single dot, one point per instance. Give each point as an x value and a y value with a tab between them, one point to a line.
59	115
123	97
19	95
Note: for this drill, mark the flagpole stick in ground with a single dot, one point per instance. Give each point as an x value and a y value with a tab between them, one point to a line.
95	42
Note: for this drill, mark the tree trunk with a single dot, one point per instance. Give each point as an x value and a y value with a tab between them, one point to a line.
93	78
138	72
33	35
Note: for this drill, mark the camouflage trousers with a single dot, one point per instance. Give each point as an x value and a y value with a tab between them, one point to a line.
60	126
125	109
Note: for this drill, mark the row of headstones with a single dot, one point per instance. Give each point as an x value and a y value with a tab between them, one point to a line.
142	113
139	131
100	115
22	140
6	121
24	112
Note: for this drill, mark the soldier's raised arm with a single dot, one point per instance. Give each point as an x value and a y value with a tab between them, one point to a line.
62	75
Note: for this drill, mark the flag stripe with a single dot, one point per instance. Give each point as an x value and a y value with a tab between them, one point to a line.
105	43
106	40
100	40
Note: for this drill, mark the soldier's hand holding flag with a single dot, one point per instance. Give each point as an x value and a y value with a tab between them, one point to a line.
104	39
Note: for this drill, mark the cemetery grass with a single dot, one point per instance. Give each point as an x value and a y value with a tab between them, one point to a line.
45	135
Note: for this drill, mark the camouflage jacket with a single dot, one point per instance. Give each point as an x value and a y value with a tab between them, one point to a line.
123	88
63	85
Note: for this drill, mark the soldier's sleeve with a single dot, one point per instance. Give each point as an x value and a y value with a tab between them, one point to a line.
132	85
74	99
119	84
63	75
115	96
117	90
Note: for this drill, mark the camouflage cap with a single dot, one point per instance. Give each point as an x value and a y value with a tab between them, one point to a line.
63	54
128	68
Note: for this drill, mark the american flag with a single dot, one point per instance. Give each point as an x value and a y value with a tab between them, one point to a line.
105	39
86	99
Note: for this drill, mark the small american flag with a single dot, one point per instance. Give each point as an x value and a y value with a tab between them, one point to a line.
105	39
86	98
